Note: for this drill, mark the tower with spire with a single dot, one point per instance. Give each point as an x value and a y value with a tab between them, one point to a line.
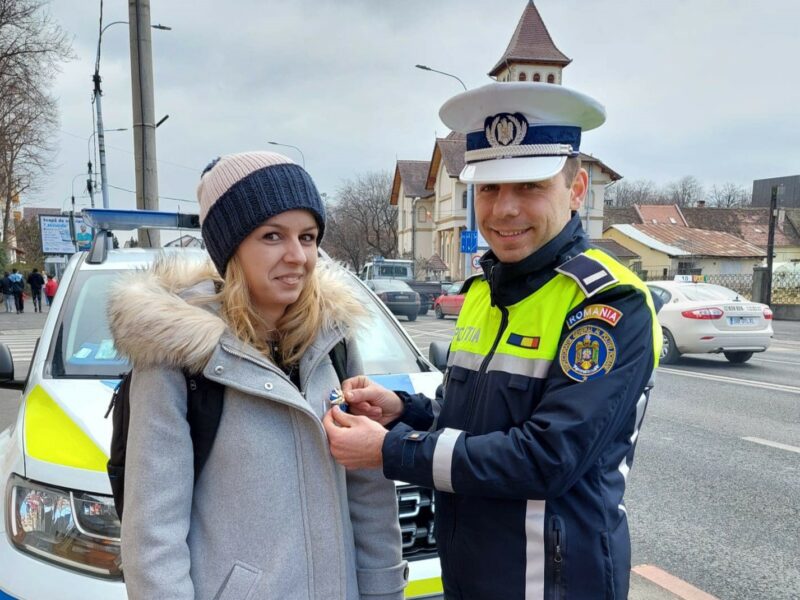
531	54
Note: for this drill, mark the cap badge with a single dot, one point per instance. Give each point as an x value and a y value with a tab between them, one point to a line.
505	129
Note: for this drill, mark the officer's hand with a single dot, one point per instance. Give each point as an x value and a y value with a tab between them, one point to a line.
356	442
367	398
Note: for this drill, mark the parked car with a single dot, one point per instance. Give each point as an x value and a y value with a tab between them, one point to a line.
59	531
397	268
709	318
397	295
450	302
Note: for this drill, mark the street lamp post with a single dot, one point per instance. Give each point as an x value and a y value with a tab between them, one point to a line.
302	156
90	185
470	191
99	110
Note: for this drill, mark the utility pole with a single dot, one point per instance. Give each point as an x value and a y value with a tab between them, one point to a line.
144	128
773	209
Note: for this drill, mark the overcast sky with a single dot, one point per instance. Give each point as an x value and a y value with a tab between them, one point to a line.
692	87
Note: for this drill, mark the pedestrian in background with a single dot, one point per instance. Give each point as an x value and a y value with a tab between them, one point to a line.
7	290
18	289
530	439
271	515
36	281
50	288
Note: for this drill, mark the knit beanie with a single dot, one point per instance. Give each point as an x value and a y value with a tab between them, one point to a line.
238	192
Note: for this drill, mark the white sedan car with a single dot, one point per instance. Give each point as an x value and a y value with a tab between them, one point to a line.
708	318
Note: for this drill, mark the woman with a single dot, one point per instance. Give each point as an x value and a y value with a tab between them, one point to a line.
50	289
271	515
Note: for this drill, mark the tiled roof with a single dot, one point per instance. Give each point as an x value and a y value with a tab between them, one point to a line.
30	212
701	242
619	216
412	174
750	224
666	214
531	43
587	158
451	150
614	248
435	263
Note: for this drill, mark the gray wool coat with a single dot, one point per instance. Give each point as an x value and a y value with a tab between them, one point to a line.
271	516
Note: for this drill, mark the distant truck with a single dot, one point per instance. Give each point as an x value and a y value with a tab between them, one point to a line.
395	268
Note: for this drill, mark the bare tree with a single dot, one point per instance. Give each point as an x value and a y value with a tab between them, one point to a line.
362	222
684	192
628	193
29	240
729	195
32	46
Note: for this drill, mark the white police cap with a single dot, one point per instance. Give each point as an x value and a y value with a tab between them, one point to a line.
520	131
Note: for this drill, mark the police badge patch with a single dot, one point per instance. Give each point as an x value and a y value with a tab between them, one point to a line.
587	353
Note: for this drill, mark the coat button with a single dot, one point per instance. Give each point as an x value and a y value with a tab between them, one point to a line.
219	369
268	385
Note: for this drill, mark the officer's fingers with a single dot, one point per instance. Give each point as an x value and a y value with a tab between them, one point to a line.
366	409
342	419
355	383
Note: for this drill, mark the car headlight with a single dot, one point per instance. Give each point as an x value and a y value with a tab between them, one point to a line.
77	530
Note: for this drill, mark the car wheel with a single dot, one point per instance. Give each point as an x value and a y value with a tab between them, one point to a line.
738	358
669	352
438	310
423	310
412	316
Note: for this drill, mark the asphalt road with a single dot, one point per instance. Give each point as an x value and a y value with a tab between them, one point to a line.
714	495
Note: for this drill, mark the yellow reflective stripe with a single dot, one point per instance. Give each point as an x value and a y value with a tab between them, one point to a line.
51	436
422	587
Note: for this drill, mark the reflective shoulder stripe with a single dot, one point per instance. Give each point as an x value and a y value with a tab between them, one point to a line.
443	459
590	274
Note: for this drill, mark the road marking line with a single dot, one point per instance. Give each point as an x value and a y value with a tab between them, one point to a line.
735	380
773	444
672	584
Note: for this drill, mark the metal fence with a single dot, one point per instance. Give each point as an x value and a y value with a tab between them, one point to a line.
785	286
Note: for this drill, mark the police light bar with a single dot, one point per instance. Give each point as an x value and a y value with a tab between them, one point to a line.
126	220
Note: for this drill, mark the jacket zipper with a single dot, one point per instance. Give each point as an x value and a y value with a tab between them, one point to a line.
477	390
557	548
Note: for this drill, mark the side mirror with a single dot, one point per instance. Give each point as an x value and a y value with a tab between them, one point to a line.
7	370
437	354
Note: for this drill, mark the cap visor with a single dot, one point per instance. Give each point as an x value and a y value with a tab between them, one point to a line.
513	170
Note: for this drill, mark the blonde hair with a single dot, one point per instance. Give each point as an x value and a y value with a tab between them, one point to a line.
295	330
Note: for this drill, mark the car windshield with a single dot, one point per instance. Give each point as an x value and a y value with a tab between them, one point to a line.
82	346
707	291
391	285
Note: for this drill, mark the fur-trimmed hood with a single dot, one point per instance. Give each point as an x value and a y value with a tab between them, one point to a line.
154	322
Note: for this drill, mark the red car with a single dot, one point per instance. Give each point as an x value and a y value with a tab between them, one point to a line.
449	303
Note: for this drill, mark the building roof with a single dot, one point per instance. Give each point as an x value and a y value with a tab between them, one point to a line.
614	248
451	150
531	43
750	224
30	212
687	241
666	214
588	158
435	263
413	175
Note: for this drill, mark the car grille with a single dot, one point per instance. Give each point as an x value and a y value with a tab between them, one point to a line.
416	507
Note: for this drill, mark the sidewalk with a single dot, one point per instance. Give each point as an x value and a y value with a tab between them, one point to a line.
28	320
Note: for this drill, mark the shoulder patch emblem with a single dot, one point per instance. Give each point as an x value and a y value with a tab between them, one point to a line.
601	312
589	273
587	353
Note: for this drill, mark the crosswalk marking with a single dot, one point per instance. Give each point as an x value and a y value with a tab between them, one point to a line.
21	343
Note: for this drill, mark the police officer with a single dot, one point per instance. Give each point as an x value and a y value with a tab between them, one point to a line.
531	437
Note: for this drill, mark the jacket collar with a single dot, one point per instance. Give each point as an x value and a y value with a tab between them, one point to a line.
511	282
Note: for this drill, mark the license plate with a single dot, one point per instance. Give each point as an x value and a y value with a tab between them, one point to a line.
401	297
741	321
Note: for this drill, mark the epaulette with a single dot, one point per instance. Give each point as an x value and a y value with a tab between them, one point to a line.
589	273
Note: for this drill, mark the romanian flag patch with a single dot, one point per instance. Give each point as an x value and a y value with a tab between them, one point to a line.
523	341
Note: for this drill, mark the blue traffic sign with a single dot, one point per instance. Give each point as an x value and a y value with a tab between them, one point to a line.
469	241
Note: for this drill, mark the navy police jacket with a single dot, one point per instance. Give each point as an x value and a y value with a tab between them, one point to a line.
531	437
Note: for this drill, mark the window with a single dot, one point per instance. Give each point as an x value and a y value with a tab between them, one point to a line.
537	77
688	268
523	76
464	199
551	78
422	214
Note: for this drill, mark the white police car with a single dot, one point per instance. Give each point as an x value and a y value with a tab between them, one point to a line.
59	532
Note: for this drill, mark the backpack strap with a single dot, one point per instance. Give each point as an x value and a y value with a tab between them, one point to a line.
338	356
203	412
